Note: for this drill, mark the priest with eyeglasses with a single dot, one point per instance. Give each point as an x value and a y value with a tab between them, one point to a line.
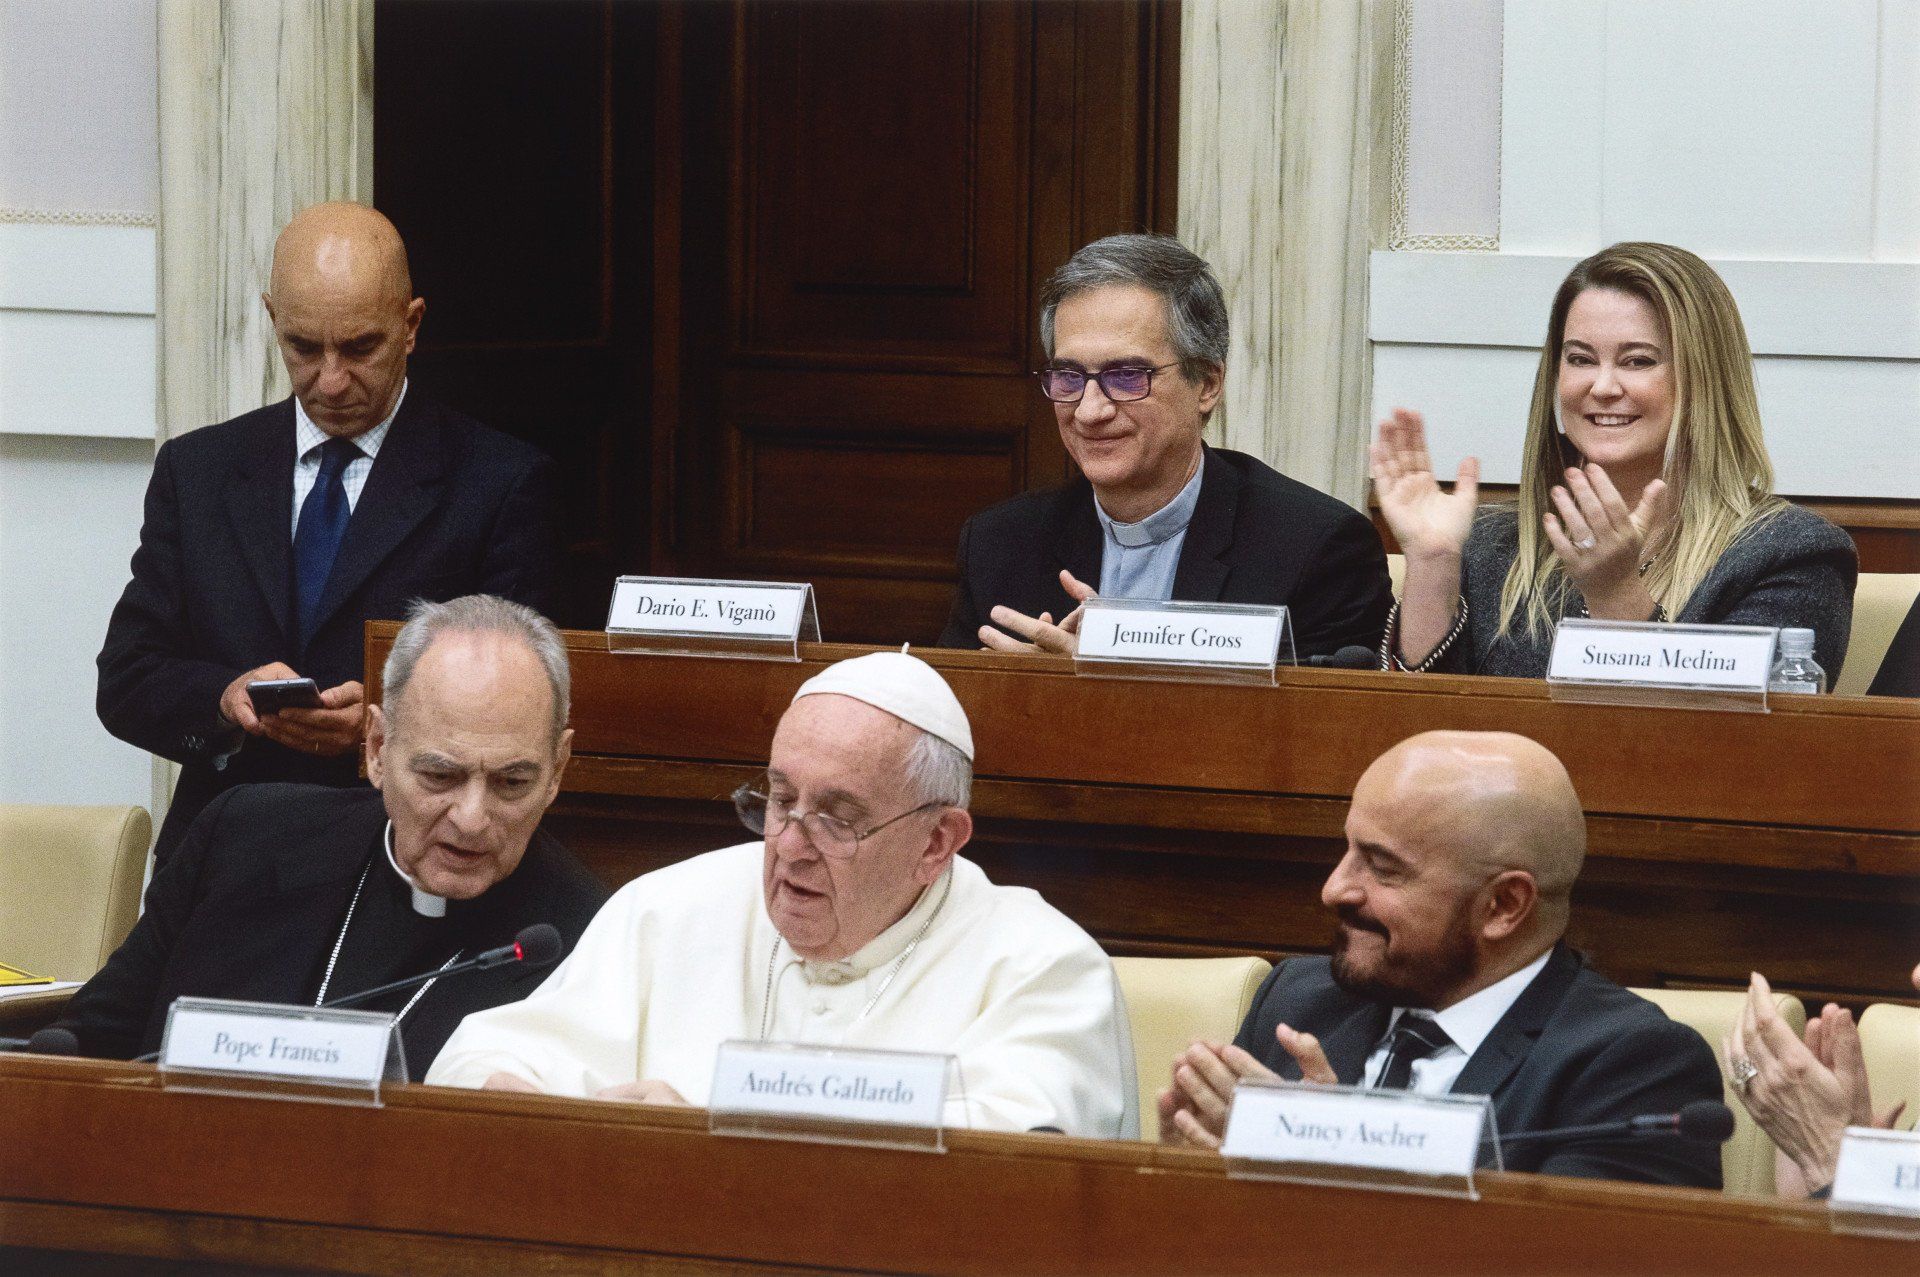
854	922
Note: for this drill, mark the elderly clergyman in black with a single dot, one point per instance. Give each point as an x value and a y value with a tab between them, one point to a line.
1135	332
306	893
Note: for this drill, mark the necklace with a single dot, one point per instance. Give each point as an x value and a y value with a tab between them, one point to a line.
341	939
766	1000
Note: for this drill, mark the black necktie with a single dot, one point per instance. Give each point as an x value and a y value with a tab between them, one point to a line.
1414	1037
316	539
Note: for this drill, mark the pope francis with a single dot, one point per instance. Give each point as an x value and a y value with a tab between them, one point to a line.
853	923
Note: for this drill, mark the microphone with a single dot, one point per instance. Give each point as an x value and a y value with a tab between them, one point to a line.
1347	658
49	1041
1700	1122
536	946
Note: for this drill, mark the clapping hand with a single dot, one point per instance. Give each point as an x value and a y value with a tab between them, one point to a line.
1193	1111
1039	634
1428	523
1600	542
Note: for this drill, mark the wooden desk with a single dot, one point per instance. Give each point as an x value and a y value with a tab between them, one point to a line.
1186	818
95	1157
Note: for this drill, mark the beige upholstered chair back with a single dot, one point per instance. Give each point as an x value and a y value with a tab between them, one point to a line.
1397	572
1171	1002
70	882
1890	1038
1746	1160
1880	602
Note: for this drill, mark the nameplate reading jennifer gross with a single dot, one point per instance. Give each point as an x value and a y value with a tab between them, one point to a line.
340	1046
742	609
1348	1126
1183	634
1723	657
894	1087
1878	1170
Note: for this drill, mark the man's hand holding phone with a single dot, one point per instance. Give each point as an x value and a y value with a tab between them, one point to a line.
327	729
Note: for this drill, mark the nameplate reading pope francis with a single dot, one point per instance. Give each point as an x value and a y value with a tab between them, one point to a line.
895	1088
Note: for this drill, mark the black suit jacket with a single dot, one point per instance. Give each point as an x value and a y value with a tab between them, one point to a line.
1256	537
252	903
449	508
1899	673
1574	1048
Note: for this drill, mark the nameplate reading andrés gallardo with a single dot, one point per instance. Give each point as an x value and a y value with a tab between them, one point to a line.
1352	1126
741	609
1726	657
1191	634
893	1087
333	1046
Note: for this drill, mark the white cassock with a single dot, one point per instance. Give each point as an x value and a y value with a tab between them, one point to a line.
678	962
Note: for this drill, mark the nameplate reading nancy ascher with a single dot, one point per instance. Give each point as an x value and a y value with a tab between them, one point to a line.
1202	641
1354	1135
1711	666
831	1094
700	617
314	1050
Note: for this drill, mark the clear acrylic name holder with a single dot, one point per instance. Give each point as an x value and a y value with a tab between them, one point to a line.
1360	1137
1661	664
1876	1185
1183	642
833	1095
271	1050
684	616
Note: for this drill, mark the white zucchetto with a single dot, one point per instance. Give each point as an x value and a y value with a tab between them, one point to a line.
901	685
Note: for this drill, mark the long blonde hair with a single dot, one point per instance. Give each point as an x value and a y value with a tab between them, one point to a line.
1719	480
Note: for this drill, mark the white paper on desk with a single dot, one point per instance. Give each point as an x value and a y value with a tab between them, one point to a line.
29	990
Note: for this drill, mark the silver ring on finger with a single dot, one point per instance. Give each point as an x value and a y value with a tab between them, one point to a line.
1585	543
1744	1071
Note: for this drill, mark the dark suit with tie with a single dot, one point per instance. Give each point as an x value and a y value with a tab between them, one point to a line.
252	904
1575	1048
1256	536
449	508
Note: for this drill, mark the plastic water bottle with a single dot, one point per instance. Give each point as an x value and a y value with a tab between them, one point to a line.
1796	671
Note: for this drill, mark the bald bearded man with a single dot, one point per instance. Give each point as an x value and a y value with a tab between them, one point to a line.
270	539
854	922
1450	974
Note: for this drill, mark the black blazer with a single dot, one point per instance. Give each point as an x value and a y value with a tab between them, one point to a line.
1574	1048
449	508
1256	537
252	903
1899	673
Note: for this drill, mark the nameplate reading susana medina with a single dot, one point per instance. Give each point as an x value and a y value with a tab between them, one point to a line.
1878	1170
333	1046
900	1088
1354	1127
740	609
1190	634
1734	658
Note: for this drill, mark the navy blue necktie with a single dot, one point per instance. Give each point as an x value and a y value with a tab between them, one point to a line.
316	538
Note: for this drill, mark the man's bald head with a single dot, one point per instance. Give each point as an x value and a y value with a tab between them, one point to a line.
1494	800
341	299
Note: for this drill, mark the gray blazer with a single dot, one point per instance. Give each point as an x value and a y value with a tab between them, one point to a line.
1794	569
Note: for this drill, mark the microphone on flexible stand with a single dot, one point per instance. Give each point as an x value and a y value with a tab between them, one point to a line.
48	1041
1347	658
1701	1122
535	946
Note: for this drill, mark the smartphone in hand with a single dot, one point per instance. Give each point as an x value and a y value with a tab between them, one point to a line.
271	695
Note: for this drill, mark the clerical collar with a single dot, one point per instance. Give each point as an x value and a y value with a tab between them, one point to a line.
425	903
883	948
307	435
1169	520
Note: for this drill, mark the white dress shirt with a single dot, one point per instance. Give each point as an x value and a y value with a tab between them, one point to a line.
679	962
307	438
1467	1022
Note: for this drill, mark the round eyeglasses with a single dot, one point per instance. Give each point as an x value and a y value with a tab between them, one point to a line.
1122	384
828	835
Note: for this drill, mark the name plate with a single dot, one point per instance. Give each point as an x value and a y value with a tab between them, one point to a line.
1642	662
1878	1171
831	1094
1143	638
1358	1136
213	1044
711	617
